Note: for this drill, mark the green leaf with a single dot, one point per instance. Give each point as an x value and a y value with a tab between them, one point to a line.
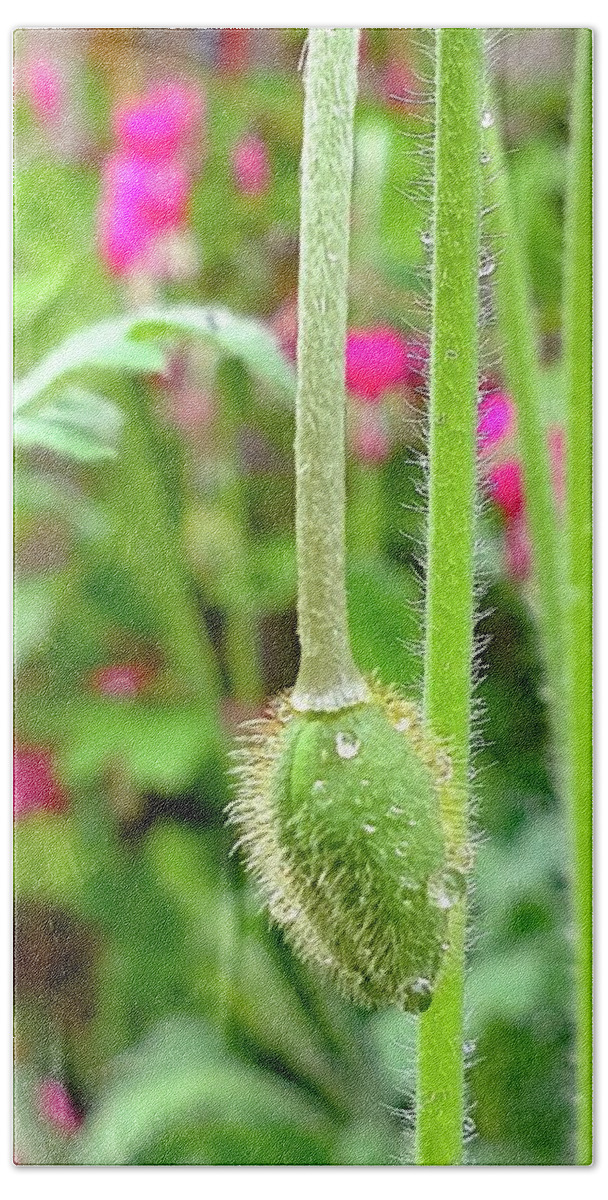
36	493
50	861
162	747
36	607
77	424
384	622
178	1078
104	345
230	333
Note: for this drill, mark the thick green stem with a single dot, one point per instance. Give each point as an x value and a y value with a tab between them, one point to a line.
517	331
578	607
328	677
451	538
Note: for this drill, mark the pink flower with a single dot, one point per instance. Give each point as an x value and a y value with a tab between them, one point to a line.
120	680
140	200
251	166
158	125
378	359
399	86
35	788
371	443
56	1108
506	488
496	419
44	88
284	325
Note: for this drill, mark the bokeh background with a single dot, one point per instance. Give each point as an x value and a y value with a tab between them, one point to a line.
158	1018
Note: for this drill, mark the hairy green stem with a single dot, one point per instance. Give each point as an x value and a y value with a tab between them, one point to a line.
328	678
451	539
517	331
578	602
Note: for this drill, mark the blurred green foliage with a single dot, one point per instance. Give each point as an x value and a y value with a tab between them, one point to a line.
147	980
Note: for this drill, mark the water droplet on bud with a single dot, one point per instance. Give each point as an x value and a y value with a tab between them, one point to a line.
446	889
487	119
347	746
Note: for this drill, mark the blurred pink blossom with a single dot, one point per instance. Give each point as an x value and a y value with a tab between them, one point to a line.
139	201
284	325
251	166
495	420
378	359
399	86
44	88
506	488
120	680
371	443
56	1108
158	125
35	787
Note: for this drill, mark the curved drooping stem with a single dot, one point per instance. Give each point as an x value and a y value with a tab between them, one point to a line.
328	678
451	539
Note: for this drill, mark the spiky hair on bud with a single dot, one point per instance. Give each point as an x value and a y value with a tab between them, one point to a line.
341	822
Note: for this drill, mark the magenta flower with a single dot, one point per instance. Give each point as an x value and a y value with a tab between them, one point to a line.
56	1108
378	359
251	166
496	420
35	788
399	86
371	443
159	125
44	88
506	488
140	201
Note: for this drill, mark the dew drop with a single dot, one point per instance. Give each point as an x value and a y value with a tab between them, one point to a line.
447	888
395	811
403	724
409	885
451	354
422	990
291	915
426	238
487	119
484	158
468	1129
347	746
468	1048
368	828
400	850
319	785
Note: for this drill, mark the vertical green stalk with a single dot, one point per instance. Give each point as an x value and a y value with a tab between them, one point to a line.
451	537
242	648
328	678
517	331
578	605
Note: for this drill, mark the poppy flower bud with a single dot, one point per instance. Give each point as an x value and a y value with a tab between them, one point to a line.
340	817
